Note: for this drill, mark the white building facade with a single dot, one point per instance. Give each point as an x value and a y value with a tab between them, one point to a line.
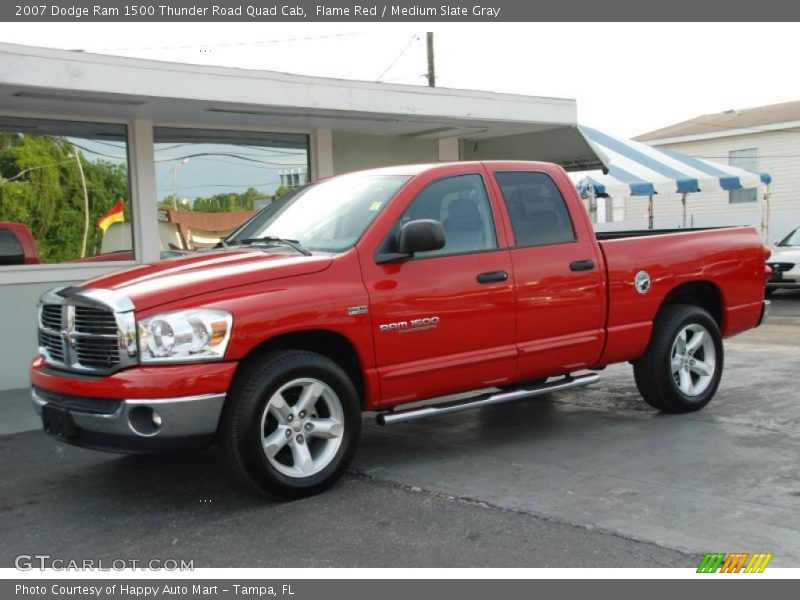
113	132
765	139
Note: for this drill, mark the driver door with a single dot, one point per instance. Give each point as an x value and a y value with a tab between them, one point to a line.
443	321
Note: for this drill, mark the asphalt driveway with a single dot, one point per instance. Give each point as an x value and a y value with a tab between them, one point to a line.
587	478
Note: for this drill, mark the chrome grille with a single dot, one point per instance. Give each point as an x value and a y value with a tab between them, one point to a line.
81	332
51	317
53	343
95	321
781	266
96	352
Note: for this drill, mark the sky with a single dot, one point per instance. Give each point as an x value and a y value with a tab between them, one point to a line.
627	79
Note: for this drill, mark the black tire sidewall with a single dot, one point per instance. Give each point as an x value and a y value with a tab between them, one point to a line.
266	379
691	315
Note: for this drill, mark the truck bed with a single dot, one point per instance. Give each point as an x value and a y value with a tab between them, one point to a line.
721	268
629	233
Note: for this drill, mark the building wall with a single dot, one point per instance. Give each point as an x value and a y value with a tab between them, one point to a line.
779	155
20	287
18	330
353	151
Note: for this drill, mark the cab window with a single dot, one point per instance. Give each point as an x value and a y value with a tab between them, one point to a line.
11	252
538	212
461	204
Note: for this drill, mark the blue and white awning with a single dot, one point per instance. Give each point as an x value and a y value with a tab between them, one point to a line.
636	169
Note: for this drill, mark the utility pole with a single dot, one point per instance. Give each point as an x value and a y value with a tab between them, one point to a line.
175	187
431	65
175	182
85	202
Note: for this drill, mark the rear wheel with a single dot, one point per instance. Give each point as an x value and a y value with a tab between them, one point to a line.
682	367
292	423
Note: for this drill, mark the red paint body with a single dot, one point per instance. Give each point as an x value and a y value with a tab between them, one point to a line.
544	320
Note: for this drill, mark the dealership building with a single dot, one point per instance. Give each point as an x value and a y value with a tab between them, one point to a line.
184	135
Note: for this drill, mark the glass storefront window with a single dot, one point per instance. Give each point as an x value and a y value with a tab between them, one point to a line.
64	192
210	181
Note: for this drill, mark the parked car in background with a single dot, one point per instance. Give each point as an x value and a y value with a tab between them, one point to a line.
376	289
18	247
785	263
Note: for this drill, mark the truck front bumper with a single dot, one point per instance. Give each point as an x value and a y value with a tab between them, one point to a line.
143	410
141	426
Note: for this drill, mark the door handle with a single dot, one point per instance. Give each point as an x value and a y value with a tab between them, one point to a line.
582	265
492	277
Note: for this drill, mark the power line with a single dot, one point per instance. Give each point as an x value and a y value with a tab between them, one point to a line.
191	187
223	185
90	151
227	154
195	155
29	169
399	56
274	151
229	44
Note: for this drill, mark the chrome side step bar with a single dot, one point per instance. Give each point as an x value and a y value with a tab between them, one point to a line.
413	414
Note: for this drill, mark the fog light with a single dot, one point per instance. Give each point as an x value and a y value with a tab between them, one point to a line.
144	420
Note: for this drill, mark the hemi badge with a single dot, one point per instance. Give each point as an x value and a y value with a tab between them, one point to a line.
357	310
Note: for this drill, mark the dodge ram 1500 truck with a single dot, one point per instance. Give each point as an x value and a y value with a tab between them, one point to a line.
376	289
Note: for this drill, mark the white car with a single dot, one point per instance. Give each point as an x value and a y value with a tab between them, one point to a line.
785	263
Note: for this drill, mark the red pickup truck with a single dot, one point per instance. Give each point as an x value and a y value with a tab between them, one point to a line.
377	289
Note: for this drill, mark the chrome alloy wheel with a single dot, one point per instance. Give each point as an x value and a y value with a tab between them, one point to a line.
302	427
694	360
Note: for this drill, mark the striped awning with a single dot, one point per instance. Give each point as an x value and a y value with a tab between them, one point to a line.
636	169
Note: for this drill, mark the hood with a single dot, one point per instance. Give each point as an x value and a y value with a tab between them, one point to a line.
785	254
173	279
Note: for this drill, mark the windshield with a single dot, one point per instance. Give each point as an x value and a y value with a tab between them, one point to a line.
328	216
793	239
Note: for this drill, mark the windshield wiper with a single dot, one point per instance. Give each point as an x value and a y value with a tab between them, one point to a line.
293	244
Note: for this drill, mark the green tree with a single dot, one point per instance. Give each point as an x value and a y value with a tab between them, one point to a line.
229	201
41	187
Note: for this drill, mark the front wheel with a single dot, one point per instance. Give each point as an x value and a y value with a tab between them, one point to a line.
682	367
292	423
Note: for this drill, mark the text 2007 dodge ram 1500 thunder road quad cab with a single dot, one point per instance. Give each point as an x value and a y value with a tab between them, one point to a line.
371	290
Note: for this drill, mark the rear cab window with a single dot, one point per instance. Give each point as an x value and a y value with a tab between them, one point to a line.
538	212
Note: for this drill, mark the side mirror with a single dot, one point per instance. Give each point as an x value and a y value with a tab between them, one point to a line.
422	235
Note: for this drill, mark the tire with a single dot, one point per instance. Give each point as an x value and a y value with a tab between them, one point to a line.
677	376
769	291
291	424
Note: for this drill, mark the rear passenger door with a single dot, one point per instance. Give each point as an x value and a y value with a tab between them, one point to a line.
559	282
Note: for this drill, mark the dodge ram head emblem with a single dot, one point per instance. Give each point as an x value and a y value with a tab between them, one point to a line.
642	282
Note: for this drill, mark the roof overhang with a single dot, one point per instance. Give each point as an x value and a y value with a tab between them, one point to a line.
76	83
563	145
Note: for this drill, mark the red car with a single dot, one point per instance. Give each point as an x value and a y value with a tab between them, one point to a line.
372	290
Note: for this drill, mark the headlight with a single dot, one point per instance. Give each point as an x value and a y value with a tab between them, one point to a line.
185	335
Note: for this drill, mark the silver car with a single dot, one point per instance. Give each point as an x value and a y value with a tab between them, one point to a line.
785	263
